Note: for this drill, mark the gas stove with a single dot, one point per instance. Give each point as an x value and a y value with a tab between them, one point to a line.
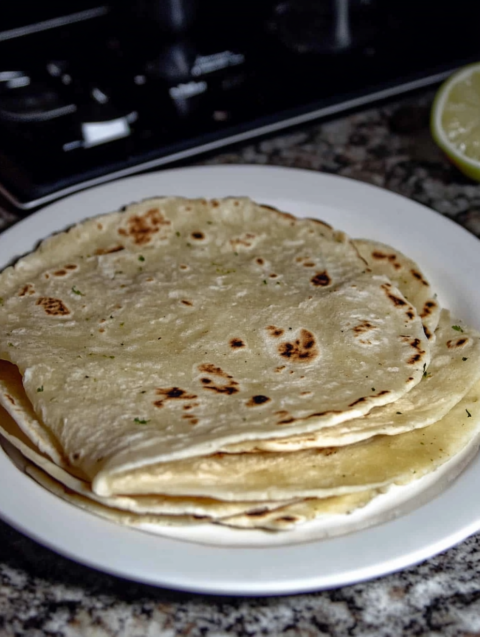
107	90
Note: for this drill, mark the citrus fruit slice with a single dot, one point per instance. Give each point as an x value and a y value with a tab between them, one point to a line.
455	121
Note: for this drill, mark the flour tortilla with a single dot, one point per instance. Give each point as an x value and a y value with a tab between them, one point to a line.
374	463
134	336
453	369
286	520
114	515
291	516
143	504
405	274
432	447
168	510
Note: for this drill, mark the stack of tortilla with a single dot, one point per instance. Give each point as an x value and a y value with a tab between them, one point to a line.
191	361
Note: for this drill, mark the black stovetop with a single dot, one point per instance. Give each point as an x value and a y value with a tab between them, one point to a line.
106	92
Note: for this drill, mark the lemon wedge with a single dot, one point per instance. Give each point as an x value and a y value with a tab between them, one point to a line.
455	121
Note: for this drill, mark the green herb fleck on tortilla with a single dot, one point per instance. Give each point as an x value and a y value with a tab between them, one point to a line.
40	389
457	328
468	413
140	421
75	291
141	258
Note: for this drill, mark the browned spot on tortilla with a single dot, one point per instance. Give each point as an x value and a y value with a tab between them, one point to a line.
27	289
275	331
9	398
245	240
416	344
231	387
60	273
99	226
356	402
286	421
258	400
396	301
382	256
410	315
397	266
142	228
418	276
101	329
260	261
427	332
53	307
210	368
215	203
363	327
303	350
414	359
427	308
287	518
71	266
321	279
185	302
237	343
236	203
280	368
198	235
257	514
46	275
187	407
327	451
172	393
459	342
183	267
101	251
273	276
309	264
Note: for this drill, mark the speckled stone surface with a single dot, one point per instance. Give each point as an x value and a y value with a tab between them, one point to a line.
44	594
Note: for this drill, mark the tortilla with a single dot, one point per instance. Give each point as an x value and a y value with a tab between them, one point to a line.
453	369
116	329
405	274
142	504
320	473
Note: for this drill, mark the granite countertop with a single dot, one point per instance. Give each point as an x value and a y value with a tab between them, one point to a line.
42	593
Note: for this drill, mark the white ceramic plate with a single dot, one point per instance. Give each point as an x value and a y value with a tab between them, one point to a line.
450	257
